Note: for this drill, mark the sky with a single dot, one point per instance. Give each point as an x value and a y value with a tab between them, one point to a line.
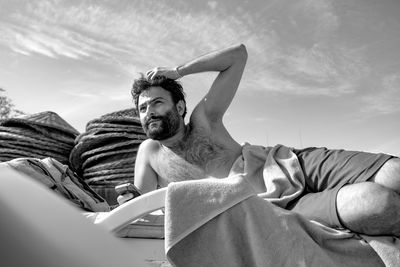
319	72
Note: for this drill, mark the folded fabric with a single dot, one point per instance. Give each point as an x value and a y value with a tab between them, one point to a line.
274	172
240	221
60	179
219	223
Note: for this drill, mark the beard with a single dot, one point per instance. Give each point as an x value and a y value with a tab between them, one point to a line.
162	127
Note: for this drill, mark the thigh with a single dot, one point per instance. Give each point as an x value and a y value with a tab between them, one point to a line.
389	175
369	208
328	168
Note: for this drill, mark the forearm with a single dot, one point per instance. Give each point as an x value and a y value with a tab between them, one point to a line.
219	60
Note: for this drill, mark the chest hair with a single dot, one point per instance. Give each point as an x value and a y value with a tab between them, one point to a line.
196	156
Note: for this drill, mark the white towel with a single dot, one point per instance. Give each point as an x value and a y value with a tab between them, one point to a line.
231	221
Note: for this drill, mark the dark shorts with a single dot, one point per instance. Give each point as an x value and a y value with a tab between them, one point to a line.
326	171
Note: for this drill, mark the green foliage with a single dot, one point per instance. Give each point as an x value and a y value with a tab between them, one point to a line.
7	109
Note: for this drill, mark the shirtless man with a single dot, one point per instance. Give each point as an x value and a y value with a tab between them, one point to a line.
176	151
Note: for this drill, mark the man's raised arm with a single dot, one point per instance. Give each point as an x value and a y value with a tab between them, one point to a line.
229	62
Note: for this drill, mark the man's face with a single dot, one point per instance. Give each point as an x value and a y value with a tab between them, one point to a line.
158	114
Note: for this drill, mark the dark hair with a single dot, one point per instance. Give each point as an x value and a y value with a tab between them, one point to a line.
173	87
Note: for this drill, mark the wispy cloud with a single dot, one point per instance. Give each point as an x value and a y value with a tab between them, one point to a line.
27	41
137	35
142	33
320	15
298	54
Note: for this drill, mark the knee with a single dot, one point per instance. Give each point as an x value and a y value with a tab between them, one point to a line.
389	175
364	207
393	166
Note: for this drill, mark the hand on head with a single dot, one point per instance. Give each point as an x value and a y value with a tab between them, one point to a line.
171	73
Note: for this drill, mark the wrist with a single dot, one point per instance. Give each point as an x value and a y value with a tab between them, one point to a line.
177	72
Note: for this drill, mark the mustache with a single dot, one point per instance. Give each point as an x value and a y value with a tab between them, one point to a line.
151	119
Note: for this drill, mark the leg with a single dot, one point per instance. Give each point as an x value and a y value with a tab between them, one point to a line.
366	207
369	208
389	175
373	207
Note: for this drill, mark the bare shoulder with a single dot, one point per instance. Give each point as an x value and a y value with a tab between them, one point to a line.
145	174
145	158
149	145
148	148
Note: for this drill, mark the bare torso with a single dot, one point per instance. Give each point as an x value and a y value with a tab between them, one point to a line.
200	154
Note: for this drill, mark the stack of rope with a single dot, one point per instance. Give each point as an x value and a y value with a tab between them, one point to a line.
40	135
104	156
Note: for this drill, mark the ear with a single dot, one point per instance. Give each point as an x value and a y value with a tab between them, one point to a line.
180	106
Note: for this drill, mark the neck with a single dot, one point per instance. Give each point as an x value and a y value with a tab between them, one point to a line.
175	141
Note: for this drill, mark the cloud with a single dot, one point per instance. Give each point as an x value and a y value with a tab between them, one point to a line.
319	70
314	64
386	98
53	30
300	53
322	14
137	35
140	33
143	33
212	4
51	45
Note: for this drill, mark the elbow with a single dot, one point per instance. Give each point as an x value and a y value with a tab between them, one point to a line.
243	49
241	52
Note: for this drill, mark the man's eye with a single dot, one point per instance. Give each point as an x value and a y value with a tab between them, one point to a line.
143	109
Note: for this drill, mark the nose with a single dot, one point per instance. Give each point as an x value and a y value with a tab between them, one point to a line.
150	111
